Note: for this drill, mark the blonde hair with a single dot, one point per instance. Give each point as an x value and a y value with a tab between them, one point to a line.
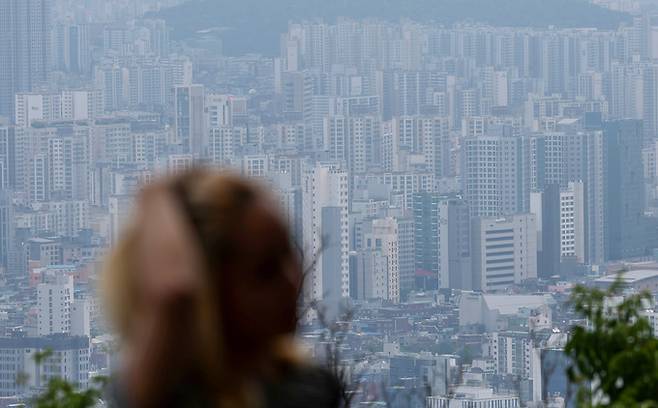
213	204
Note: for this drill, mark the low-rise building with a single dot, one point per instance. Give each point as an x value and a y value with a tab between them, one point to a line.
473	397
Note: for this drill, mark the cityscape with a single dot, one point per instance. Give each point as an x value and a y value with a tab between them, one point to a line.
447	184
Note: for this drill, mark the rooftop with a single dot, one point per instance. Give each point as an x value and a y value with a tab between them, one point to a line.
506	304
476	393
631	276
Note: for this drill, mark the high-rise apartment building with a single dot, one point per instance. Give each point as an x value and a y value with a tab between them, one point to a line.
562	241
71	48
221	145
25	48
54	300
576	153
496	173
7	157
572	222
31	106
325	197
219	110
53	161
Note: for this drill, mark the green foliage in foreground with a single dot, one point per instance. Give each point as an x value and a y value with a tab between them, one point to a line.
617	354
62	394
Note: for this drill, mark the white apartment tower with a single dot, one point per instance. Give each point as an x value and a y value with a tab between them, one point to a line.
384	239
326	231
572	222
54	162
219	110
31	107
54	299
82	104
221	145
353	141
495	173
425	136
434	141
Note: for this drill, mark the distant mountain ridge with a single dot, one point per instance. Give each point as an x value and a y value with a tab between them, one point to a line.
255	25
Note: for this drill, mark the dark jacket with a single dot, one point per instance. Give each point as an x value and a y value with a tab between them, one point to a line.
296	387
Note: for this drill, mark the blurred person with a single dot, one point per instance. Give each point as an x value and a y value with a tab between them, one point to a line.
203	291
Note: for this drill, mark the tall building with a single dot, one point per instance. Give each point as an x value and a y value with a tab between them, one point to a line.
563	241
25	51
112	141
514	353
7	235
369	275
53	161
441	241
221	145
364	145
289	194
82	104
113	81
383	240
71	48
649	94
624	189
326	232
407	138
353	141
7	157
54	300
426	239
70	104
572	222
575	152
545	206
31	106
405	230
297	95
219	110
336	139
434	141
149	84
496	173
190	119
504	251
120	208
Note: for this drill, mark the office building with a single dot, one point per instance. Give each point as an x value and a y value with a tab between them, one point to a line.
69	360
441	241
190	119
504	252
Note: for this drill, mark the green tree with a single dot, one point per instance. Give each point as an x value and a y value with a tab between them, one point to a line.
614	358
61	393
